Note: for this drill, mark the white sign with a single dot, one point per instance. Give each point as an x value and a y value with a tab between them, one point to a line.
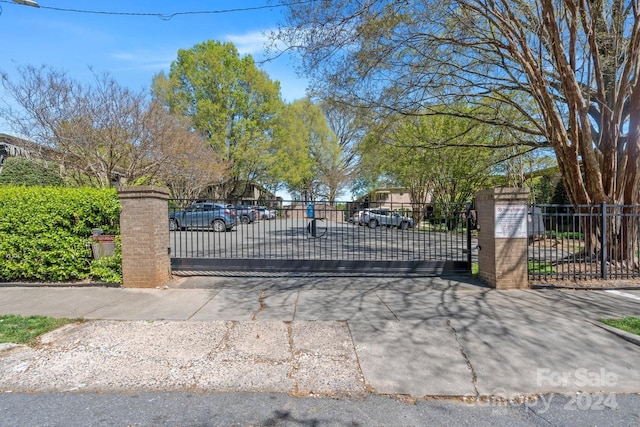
511	221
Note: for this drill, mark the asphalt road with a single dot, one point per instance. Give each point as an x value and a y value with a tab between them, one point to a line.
273	409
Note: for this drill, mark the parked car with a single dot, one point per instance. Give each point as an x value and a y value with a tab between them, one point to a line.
265	213
246	214
355	219
204	215
362	216
376	217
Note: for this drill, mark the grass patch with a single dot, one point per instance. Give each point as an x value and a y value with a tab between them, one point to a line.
566	235
475	269
627	324
540	267
427	226
25	330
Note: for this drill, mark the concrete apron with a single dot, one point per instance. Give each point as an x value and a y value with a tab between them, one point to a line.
436	341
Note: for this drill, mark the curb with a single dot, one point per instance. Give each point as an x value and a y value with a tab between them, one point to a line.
59	285
586	288
632	338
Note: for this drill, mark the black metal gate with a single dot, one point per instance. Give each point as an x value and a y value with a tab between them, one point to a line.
321	238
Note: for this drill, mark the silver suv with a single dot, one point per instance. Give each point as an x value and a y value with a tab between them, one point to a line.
376	217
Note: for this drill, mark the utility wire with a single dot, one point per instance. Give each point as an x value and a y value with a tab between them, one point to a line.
168	16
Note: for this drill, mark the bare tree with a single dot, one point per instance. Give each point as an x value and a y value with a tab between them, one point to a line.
568	68
100	132
194	165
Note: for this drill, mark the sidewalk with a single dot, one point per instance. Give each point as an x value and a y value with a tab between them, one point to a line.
420	337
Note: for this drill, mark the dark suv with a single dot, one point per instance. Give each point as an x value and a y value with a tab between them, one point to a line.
204	215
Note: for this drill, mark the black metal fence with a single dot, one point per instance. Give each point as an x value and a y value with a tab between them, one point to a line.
314	237
584	242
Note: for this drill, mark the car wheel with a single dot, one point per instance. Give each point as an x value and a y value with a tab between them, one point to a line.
245	219
218	225
373	223
173	225
404	225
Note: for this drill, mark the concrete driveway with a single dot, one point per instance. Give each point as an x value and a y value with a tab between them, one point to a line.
420	337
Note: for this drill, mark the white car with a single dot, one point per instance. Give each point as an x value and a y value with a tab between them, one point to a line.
376	217
265	213
355	219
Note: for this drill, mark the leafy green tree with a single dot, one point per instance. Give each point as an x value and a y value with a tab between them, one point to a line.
433	157
21	171
322	149
307	156
291	166
231	101
541	189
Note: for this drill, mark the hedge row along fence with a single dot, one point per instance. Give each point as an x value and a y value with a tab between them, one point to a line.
45	233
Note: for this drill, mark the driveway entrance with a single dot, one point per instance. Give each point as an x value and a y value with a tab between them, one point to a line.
381	240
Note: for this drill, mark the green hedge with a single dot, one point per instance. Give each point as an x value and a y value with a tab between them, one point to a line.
21	171
45	231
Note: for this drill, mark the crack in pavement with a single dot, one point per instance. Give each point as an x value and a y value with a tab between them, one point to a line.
224	344
294	360
474	377
385	304
295	305
203	305
261	304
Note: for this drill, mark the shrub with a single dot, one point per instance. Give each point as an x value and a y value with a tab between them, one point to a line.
21	171
44	231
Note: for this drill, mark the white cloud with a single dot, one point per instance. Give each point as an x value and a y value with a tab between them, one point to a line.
249	43
145	59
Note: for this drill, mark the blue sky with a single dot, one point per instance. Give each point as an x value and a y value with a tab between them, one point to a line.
135	48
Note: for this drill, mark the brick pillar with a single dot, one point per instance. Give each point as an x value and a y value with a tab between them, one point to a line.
502	237
144	226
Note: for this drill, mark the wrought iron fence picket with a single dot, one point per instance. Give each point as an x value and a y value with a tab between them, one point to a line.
585	242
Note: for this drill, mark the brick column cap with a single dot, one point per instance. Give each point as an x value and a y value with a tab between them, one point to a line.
143	191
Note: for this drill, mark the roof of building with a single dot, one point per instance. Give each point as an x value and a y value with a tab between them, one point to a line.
20	147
